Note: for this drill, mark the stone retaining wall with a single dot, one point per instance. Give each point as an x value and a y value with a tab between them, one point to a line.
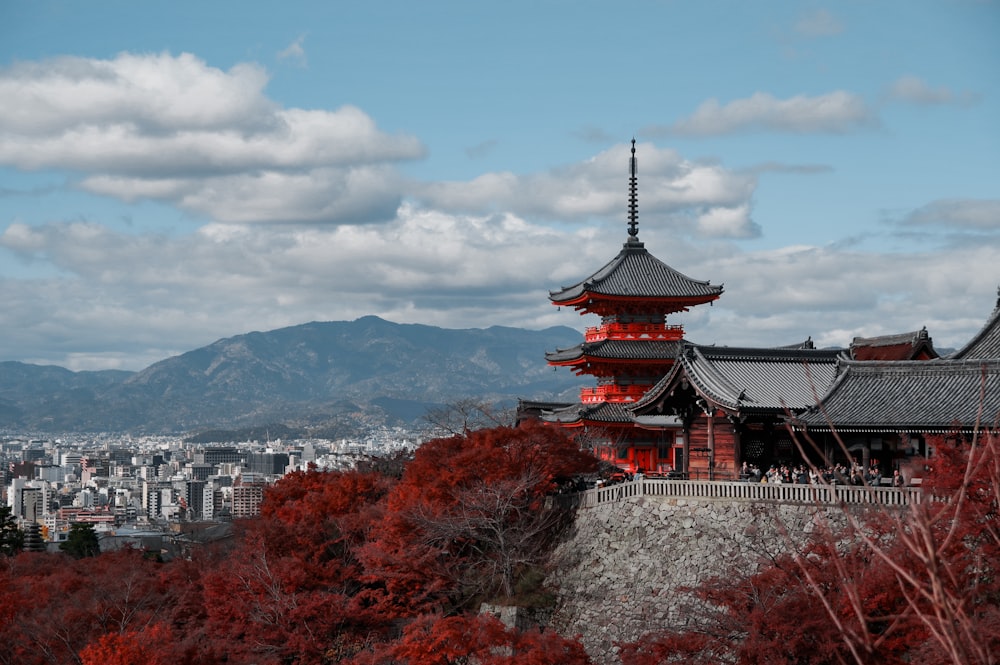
619	573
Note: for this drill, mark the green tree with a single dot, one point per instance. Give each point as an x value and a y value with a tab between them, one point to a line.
81	541
11	537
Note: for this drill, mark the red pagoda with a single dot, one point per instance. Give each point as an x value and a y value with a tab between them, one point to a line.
631	349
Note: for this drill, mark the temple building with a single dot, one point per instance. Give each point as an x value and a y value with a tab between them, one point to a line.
890	408
669	407
728	405
631	349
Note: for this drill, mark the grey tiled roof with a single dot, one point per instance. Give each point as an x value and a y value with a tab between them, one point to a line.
755	379
635	272
913	396
986	343
618	349
604	412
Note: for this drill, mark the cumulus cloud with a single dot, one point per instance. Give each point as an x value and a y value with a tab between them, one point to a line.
116	292
818	23
671	189
915	90
833	295
175	129
732	222
969	214
836	112
112	298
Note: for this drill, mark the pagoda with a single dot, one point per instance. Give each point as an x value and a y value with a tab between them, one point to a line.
631	349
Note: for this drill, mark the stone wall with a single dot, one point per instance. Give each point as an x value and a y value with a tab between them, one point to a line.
620	572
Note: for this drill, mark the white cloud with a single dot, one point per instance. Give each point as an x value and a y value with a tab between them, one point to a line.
915	90
732	222
174	129
832	295
835	112
668	186
155	93
818	23
322	195
975	214
295	52
116	296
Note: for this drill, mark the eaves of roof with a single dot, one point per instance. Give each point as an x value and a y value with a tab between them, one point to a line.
915	396
609	413
760	380
618	349
634	272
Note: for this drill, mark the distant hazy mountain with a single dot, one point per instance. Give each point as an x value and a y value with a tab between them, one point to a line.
308	373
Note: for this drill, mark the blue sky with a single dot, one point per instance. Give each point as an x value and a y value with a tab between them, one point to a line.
176	172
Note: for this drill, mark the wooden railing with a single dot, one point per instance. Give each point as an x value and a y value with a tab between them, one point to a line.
742	491
613	393
652	331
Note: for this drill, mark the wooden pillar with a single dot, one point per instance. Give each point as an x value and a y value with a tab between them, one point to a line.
710	414
687	448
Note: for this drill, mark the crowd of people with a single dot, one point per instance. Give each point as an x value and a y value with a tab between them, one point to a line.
838	474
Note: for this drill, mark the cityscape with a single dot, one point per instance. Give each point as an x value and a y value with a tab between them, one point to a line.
140	490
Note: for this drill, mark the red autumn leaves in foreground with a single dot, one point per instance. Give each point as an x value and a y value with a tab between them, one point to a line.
376	569
340	567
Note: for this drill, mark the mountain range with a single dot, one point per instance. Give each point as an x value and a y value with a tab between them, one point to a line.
311	373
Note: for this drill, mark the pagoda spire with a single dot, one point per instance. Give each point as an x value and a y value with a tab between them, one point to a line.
633	197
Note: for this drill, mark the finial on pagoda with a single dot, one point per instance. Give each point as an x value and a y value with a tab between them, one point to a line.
633	197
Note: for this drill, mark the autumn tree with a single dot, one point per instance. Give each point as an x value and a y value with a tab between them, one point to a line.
148	645
469	516
468	415
62	604
293	589
482	639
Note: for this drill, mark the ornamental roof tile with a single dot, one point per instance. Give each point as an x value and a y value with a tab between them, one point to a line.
914	396
637	273
603	412
752	379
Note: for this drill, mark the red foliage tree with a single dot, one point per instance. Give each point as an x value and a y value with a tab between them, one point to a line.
64	604
292	590
468	517
437	640
150	645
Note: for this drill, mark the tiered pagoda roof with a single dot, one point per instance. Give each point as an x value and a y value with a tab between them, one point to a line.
611	350
635	280
635	274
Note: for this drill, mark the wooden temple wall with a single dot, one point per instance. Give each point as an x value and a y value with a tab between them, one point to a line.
724	440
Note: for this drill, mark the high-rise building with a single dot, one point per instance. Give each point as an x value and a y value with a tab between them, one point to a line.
248	494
